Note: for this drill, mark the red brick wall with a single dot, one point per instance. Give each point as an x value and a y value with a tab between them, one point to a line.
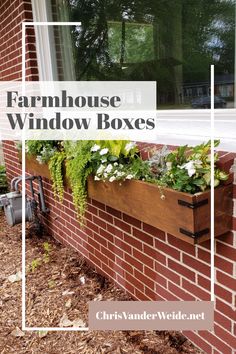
146	262
12	13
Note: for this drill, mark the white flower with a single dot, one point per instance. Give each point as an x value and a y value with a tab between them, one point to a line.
129	146
109	168
100	169
112	178
104	160
104	151
95	148
96	178
120	174
189	166
129	176
169	166
105	175
121	166
116	164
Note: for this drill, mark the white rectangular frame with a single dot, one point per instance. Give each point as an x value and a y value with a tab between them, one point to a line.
167	113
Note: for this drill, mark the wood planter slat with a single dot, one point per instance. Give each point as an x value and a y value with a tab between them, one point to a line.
183	215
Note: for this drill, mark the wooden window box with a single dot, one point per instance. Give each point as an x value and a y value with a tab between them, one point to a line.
183	215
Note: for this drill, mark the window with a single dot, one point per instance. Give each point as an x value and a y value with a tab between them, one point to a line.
172	42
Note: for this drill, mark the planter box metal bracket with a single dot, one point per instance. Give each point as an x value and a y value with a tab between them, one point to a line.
194	235
193	205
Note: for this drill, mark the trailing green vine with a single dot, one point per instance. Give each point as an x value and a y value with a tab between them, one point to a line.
78	168
56	171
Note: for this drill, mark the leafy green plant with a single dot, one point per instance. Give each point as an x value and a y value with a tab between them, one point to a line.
189	169
47	250
78	168
42	149
35	264
3	179
118	160
55	166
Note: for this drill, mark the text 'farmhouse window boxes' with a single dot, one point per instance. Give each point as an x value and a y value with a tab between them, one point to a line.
183	215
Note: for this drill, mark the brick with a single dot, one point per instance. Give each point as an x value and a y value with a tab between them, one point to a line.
102	258
206	244
143	236
184	271
115	231
181	245
126	266
227	238
195	290
226	162
226	251
92	226
216	342
198	341
99	222
141	296
122	225
106	235
133	242
98	204
170	251
222	321
143	258
181	294
155	276
122	245
165	293
113	212
116	250
204	255
226	281
223	293
154	231
108	253
100	239
196	264
94	244
124	284
134	262
203	282
134	281
153	295
144	279
116	268
109	271
154	254
92	209
234	224
168	273
132	221
225	309
224	265
105	216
